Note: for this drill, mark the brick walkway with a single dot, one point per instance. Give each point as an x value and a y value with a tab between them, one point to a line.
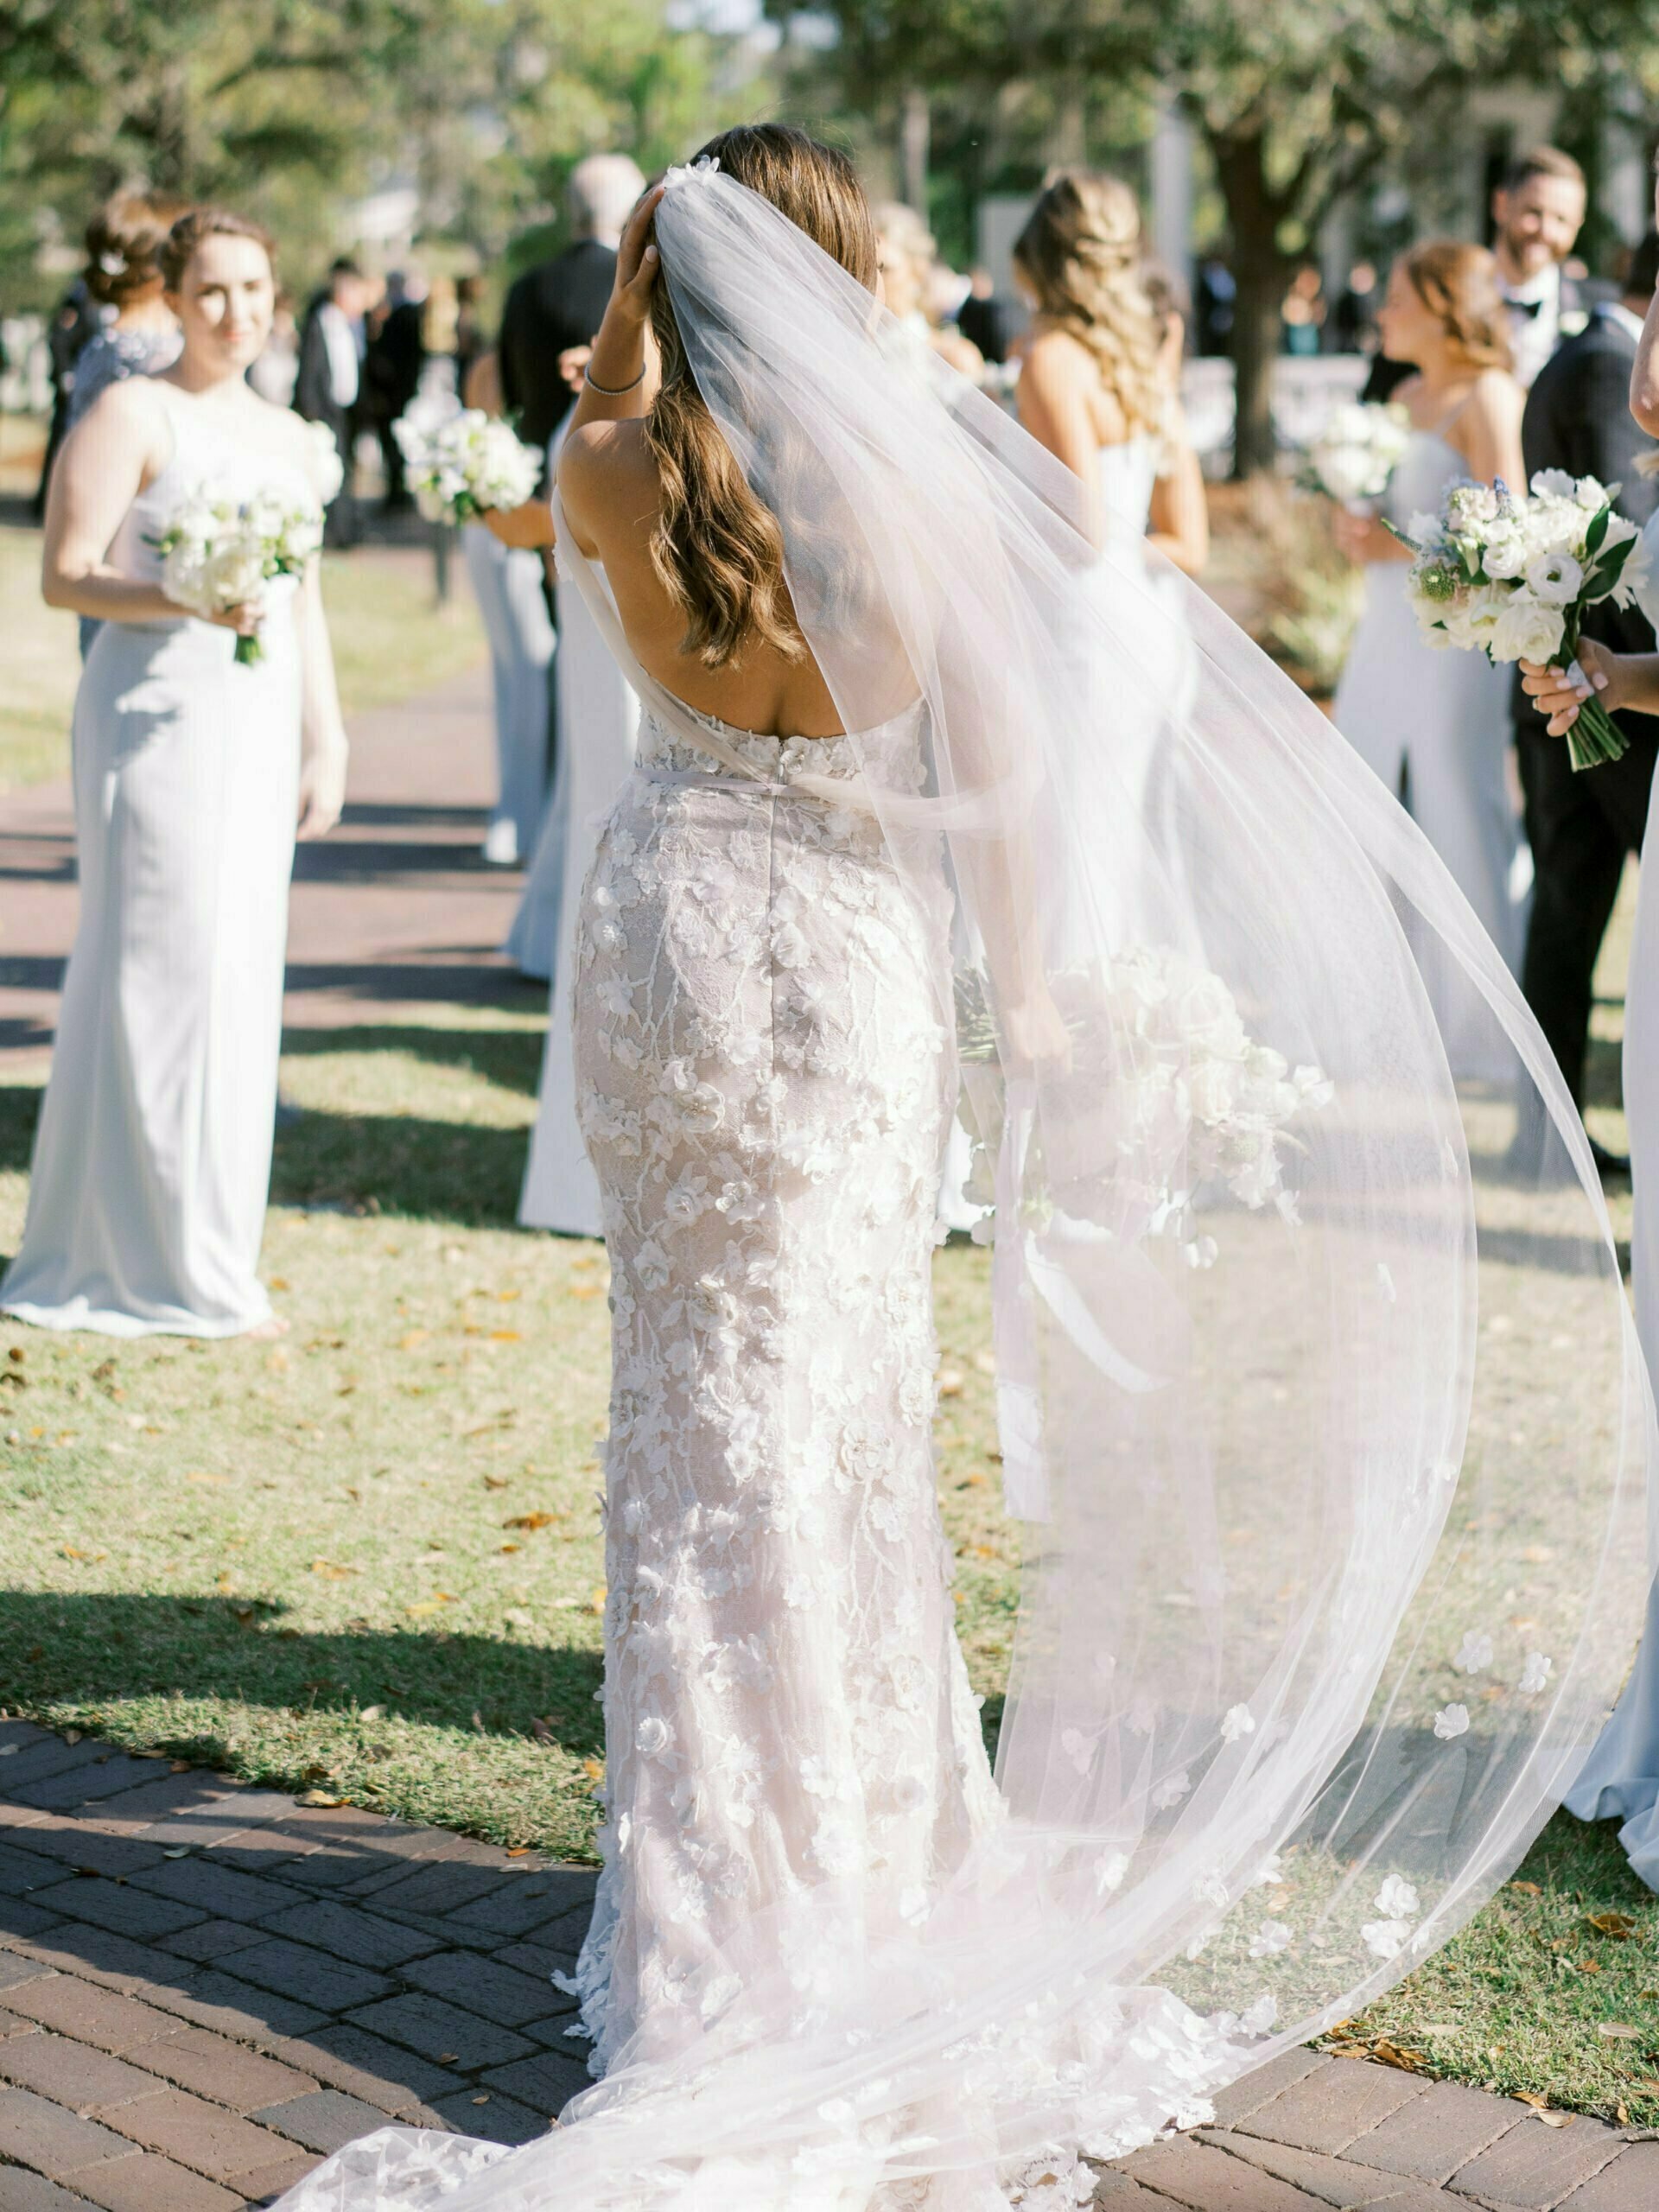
205	1987
394	911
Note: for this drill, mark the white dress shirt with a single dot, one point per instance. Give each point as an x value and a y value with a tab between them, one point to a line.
339	341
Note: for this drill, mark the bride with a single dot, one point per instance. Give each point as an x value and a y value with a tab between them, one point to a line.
1276	1726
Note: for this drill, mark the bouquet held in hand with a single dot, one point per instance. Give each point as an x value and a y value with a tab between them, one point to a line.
219	552
1515	573
1355	453
462	465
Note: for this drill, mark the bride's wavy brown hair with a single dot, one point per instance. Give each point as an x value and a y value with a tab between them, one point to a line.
1081	253
717	550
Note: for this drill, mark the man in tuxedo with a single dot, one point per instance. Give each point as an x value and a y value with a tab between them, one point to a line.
1582	824
329	382
394	358
1537	213
561	304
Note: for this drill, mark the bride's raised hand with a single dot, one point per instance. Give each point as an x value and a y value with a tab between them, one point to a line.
636	261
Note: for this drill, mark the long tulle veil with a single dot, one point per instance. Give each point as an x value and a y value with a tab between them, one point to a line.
1318	1397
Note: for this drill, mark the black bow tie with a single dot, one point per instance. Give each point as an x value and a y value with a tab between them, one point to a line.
1531	309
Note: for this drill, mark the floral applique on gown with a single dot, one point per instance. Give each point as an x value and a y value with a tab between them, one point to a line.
766	1085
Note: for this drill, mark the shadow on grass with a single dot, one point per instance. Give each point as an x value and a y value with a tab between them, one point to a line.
397	1164
509	1058
108	1646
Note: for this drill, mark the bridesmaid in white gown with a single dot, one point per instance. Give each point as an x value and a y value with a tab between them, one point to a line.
153	1158
1100	384
506	582
598	719
1100	389
1435	725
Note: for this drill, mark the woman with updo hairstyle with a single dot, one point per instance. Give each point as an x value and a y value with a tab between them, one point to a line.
192	770
1433	725
123	271
1100	383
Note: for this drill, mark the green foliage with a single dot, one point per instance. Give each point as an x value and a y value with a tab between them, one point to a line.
289	108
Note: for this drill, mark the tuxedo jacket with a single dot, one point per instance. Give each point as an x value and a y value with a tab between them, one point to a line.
1578	418
550	309
314	382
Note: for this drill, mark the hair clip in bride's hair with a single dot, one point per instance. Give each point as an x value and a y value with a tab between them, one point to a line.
684	172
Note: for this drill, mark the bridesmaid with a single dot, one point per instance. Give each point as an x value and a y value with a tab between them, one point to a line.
123	271
1101	383
153	1158
507	584
1435	726
597	715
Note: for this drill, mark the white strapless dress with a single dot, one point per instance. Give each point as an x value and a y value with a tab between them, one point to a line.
152	1163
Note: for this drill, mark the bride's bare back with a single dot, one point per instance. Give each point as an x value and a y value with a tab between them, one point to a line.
612	498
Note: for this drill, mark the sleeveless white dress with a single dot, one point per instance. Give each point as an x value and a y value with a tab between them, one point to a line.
598	720
506	583
152	1161
1436	726
763	1086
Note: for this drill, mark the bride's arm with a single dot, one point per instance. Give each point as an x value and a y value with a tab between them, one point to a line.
117	448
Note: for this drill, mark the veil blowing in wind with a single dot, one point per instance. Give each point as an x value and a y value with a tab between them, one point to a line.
1330	1443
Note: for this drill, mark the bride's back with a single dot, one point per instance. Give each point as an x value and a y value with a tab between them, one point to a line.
693	557
610	475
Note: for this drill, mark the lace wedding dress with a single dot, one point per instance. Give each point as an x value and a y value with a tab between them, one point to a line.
1331	1444
765	1088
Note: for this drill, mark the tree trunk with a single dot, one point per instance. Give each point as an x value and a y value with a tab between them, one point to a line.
914	131
1263	274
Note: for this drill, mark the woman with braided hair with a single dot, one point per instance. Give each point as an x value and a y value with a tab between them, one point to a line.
1098	388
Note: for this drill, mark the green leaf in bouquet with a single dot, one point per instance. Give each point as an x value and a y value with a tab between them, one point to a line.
1395	530
1597	532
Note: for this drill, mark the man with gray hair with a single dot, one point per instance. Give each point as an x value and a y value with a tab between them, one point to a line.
561	304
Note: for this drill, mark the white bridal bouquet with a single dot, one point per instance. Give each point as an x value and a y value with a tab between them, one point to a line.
463	464
1191	1100
1356	453
1514	574
219	552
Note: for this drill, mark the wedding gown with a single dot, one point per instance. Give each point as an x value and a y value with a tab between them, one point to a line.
147	1199
1292	1436
765	1084
1437	726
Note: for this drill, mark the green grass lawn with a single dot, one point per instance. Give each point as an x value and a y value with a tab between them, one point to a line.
365	1562
391	642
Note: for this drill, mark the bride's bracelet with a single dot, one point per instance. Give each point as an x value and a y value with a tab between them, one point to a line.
612	392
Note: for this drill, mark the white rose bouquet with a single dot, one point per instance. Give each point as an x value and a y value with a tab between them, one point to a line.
1515	573
1175	1088
219	552
462	465
1356	453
